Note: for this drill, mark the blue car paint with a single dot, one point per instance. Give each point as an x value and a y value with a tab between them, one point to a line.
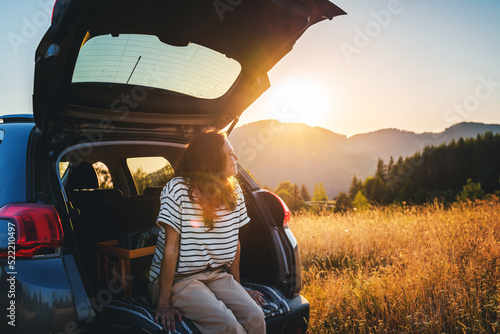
43	295
13	170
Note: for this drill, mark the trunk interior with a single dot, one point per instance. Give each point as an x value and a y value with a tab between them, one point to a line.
116	189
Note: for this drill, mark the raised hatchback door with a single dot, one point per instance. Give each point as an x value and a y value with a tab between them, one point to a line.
163	65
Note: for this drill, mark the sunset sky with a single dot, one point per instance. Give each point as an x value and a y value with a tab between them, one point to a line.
417	65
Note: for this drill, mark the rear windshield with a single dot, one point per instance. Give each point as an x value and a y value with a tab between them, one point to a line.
146	61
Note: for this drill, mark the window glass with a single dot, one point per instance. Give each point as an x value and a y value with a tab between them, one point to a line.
145	60
149	172
103	175
2	133
63	167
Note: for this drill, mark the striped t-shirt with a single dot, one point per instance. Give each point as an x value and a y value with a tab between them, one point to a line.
199	248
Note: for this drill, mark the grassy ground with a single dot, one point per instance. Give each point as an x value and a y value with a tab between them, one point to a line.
407	269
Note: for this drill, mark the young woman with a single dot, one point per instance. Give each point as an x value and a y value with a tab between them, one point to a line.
195	269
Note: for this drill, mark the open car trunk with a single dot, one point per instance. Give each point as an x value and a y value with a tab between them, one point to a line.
114	219
161	65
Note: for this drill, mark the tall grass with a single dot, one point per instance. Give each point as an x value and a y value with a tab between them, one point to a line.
425	269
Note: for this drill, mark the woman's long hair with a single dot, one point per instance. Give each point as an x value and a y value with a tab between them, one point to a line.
203	167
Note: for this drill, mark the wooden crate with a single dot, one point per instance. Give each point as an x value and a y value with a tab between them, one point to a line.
125	269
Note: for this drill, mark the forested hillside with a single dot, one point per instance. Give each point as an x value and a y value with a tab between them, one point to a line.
466	167
274	152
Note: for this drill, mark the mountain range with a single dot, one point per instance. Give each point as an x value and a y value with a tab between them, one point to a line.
274	152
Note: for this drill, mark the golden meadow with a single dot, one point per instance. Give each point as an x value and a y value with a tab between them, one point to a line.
403	269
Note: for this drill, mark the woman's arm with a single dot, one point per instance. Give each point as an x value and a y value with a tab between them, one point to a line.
165	314
234	269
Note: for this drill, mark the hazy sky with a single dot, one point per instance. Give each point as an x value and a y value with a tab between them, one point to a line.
417	65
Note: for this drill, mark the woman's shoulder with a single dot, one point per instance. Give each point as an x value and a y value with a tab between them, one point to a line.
175	184
237	189
177	180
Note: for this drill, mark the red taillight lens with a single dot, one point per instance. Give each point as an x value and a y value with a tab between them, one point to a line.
37	226
288	215
52	15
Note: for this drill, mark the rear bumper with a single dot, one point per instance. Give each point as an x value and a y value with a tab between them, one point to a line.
294	321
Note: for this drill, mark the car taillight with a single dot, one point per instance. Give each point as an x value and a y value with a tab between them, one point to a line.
52	15
30	229
288	215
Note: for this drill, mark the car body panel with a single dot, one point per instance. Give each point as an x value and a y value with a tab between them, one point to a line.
295	321
43	295
13	184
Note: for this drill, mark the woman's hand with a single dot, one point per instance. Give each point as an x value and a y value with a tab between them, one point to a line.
165	317
257	296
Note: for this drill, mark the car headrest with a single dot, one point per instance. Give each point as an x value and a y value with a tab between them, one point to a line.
81	176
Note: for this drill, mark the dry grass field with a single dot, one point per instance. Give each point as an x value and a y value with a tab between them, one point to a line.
425	269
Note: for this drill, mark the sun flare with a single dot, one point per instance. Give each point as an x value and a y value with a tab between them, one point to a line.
301	101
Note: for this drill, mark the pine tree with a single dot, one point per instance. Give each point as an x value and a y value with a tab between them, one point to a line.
360	202
471	191
319	194
390	166
290	194
305	193
343	202
381	170
298	201
356	186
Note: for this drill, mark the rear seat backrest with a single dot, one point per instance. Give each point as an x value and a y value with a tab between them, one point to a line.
107	214
153	191
146	207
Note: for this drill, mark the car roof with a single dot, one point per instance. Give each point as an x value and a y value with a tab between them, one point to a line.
16	118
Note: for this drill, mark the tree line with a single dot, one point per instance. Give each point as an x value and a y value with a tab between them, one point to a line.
296	198
463	169
460	170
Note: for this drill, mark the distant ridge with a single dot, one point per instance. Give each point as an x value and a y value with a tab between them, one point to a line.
274	152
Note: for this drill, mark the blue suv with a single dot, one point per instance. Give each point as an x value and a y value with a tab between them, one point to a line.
119	88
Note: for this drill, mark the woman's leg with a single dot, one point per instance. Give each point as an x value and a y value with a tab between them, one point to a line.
234	296
195	301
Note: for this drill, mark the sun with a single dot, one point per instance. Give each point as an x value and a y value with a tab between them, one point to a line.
301	101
